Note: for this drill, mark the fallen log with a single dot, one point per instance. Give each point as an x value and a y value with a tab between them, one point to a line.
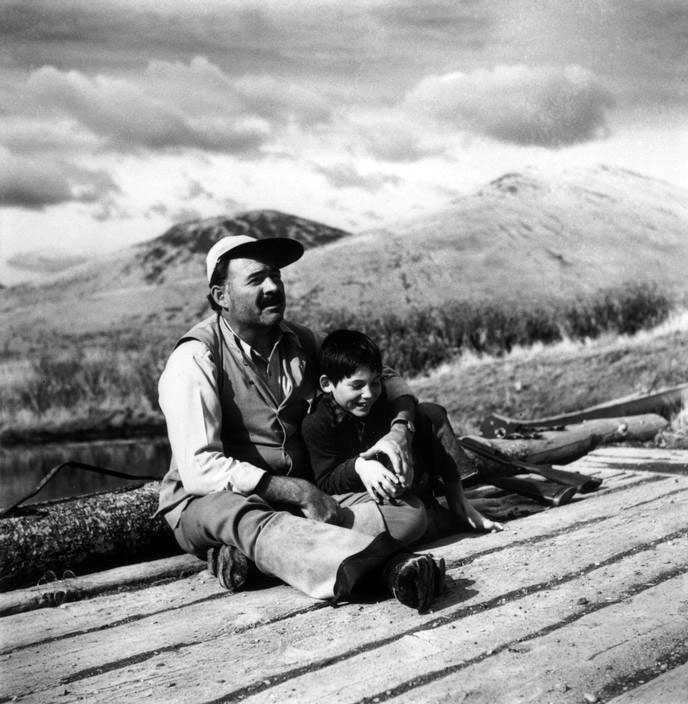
574	441
42	542
664	403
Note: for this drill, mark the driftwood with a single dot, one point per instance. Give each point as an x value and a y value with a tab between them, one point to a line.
574	441
76	536
664	403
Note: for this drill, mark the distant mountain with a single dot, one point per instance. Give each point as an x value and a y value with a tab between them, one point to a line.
190	241
47	261
158	283
524	236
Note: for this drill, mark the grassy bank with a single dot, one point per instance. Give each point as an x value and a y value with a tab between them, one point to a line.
428	337
118	375
550	379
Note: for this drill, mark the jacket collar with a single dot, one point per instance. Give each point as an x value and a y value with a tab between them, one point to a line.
337	414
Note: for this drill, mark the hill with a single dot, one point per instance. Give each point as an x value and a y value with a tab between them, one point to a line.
523	236
45	262
157	284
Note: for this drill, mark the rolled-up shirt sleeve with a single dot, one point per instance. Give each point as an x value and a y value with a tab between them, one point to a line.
189	399
395	386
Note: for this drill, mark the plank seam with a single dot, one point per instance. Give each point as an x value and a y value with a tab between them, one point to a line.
514	595
669	660
134	618
319	605
451	564
555	533
450	670
142	657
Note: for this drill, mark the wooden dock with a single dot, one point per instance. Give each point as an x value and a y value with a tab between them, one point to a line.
587	602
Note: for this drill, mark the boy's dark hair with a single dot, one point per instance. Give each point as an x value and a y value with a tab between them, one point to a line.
343	351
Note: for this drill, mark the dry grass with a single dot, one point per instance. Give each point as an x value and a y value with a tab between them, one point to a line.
550	379
114	374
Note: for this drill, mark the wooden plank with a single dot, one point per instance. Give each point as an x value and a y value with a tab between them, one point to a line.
572	661
634	459
94	614
413	668
63	590
669	688
192	646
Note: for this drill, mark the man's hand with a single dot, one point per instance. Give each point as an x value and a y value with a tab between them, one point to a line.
396	445
313	503
321	507
382	484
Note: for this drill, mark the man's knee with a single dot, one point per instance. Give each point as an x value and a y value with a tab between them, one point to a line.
222	518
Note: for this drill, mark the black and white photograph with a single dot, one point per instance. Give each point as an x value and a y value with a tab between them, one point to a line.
344	351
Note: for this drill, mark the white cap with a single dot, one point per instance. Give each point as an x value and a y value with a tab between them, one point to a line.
282	250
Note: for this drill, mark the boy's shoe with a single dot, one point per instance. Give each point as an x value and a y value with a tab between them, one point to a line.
415	580
230	566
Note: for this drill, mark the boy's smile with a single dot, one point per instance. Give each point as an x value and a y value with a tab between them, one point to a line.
355	393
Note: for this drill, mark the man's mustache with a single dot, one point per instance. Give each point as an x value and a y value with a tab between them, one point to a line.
271	301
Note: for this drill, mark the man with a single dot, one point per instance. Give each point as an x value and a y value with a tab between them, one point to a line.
234	392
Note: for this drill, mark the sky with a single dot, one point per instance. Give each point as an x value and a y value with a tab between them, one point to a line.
119	119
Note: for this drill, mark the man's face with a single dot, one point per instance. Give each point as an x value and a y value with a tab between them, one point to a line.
253	294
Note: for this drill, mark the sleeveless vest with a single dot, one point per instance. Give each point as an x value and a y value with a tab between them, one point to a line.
256	427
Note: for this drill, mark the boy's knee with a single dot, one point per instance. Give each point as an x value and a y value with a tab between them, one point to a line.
432	410
407	521
432	413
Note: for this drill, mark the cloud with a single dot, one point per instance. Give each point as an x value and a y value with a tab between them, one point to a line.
168	106
348	176
129	116
395	139
545	106
35	185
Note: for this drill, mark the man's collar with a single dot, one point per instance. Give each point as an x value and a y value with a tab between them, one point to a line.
283	328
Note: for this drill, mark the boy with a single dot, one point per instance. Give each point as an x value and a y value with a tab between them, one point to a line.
353	413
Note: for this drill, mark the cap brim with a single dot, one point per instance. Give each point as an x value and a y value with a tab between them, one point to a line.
280	250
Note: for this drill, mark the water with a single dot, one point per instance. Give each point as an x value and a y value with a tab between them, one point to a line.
23	467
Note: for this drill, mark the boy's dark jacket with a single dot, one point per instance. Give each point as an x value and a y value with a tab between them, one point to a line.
334	438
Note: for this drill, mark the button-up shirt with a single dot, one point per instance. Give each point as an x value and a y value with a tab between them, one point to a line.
190	399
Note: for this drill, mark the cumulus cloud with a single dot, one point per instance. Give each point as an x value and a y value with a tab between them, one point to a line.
34	185
394	139
130	116
347	175
545	106
169	105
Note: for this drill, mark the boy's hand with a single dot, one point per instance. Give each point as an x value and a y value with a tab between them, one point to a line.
381	483
396	445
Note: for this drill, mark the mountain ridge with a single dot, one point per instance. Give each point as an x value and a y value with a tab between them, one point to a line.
524	236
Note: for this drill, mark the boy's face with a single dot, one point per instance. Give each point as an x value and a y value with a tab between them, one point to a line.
356	393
